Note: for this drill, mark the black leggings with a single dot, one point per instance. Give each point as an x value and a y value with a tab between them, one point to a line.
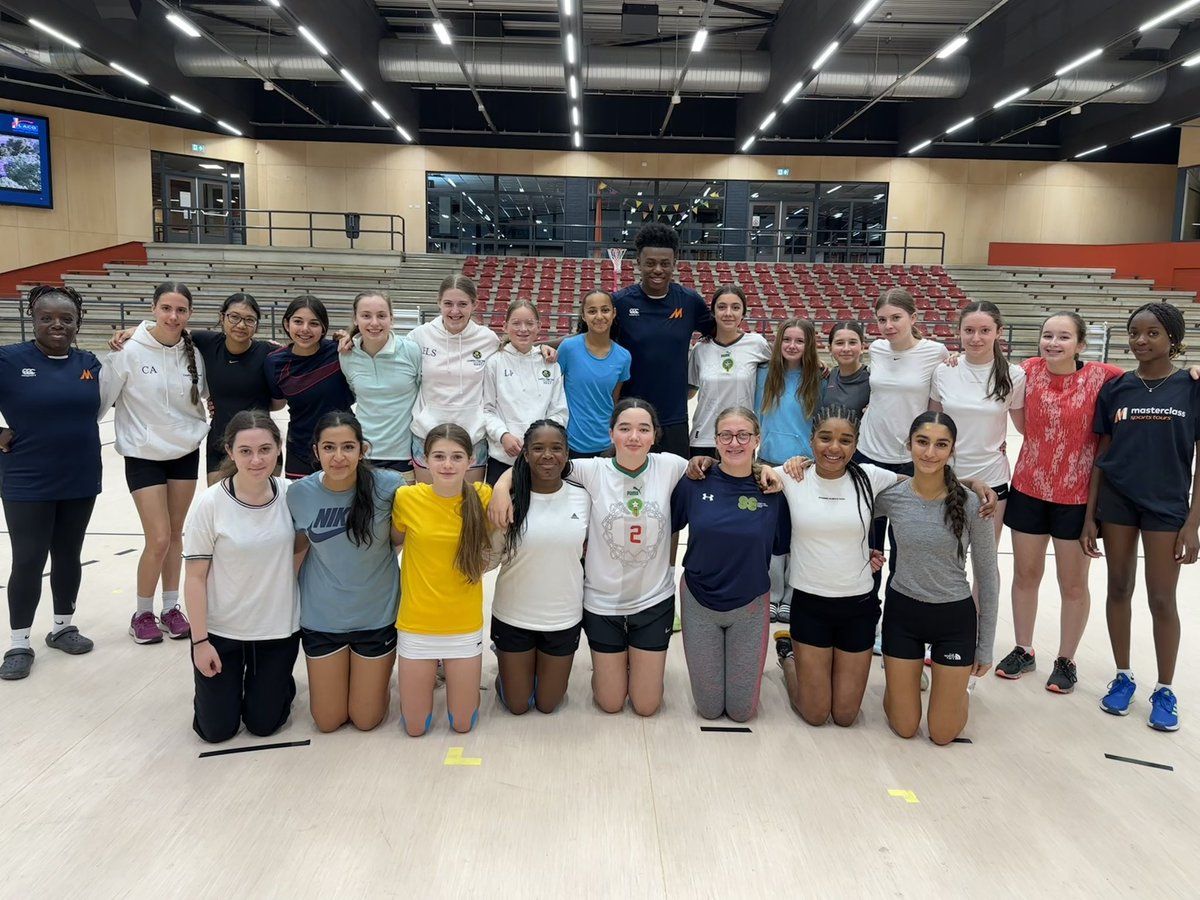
255	686
38	529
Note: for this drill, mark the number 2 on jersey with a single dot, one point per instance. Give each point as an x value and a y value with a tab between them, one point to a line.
635	534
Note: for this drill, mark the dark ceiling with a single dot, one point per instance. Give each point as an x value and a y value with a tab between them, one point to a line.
504	80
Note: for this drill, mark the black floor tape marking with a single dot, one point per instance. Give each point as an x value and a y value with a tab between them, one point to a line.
1139	762
89	562
726	728
254	748
962	740
123	552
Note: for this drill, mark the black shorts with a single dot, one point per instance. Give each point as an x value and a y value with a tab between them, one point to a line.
1001	491
844	623
371	643
495	469
144	473
695	450
648	630
513	639
1029	515
675	439
1114	508
948	628
395	465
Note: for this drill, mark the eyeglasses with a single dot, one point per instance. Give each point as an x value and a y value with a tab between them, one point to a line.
728	437
235	319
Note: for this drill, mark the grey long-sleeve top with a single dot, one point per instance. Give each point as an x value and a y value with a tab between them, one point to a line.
927	564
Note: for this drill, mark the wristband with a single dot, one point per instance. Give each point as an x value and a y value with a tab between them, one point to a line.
201	641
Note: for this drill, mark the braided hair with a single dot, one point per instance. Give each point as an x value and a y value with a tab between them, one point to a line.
522	488
955	506
1171	320
189	349
864	495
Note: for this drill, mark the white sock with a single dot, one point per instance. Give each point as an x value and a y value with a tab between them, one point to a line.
20	639
1028	650
1160	686
170	600
145	604
61	622
1128	673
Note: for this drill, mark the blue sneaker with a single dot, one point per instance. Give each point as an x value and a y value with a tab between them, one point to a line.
1119	696
1164	713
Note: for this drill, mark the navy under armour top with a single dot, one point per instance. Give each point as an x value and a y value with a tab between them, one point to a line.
51	405
658	335
733	530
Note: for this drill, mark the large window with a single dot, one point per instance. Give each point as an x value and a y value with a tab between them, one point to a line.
522	215
695	209
817	222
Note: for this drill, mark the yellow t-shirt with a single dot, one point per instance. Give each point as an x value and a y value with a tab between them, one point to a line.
435	598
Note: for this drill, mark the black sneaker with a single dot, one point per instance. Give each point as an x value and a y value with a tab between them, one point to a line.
1016	664
1062	679
783	646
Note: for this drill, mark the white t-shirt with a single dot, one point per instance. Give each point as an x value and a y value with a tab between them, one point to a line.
899	393
541	588
829	555
628	560
724	377
982	421
252	591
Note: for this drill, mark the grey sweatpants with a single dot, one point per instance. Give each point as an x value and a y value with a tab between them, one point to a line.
725	653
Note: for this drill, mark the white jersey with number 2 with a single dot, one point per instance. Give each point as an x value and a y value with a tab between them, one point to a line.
628	560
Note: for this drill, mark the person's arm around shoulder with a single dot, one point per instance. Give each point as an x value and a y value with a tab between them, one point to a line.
704	323
556	408
1016	407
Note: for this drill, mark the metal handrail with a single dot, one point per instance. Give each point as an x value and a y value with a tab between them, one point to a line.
711	243
236	222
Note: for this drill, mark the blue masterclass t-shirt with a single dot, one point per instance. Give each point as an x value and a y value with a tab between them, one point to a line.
658	335
589	383
312	386
51	405
1154	436
344	587
733	530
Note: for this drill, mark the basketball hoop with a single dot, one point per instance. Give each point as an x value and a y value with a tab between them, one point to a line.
616	254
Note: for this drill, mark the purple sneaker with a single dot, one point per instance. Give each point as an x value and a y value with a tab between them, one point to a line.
144	629
175	623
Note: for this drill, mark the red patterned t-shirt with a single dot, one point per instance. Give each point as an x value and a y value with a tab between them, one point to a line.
1060	447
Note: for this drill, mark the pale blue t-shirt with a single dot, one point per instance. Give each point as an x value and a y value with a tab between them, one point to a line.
786	431
589	384
385	389
344	587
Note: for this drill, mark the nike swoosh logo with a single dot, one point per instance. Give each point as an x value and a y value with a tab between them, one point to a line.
324	535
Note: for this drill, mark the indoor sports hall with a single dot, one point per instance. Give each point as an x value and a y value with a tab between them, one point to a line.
1037	157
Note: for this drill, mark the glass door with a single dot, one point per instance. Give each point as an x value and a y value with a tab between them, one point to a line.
780	231
180	194
764	234
214	212
793	236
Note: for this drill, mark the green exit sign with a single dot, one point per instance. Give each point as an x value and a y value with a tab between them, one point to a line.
199	148
783	173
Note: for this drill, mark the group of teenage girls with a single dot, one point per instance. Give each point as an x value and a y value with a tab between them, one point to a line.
568	468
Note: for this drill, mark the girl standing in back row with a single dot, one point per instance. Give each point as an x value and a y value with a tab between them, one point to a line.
723	369
1144	486
157	383
594	367
455	349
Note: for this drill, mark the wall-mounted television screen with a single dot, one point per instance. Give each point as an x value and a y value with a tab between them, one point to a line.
25	160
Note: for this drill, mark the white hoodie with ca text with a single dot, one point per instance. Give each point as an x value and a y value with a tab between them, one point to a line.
518	389
150	384
452	367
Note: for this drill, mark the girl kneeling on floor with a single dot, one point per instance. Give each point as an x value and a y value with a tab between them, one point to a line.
240	588
537	610
444	528
349	578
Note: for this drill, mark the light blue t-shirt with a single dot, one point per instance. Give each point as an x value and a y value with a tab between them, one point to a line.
344	587
589	384
385	388
786	431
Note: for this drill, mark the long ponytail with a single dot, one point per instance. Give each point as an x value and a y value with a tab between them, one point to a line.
999	384
955	509
189	350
